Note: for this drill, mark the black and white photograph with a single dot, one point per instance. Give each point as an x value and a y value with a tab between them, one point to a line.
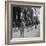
25	22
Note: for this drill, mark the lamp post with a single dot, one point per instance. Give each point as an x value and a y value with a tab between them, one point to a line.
22	25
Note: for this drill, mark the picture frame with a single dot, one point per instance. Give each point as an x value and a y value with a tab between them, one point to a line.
8	22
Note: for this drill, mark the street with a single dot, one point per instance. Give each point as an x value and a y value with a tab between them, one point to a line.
28	32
